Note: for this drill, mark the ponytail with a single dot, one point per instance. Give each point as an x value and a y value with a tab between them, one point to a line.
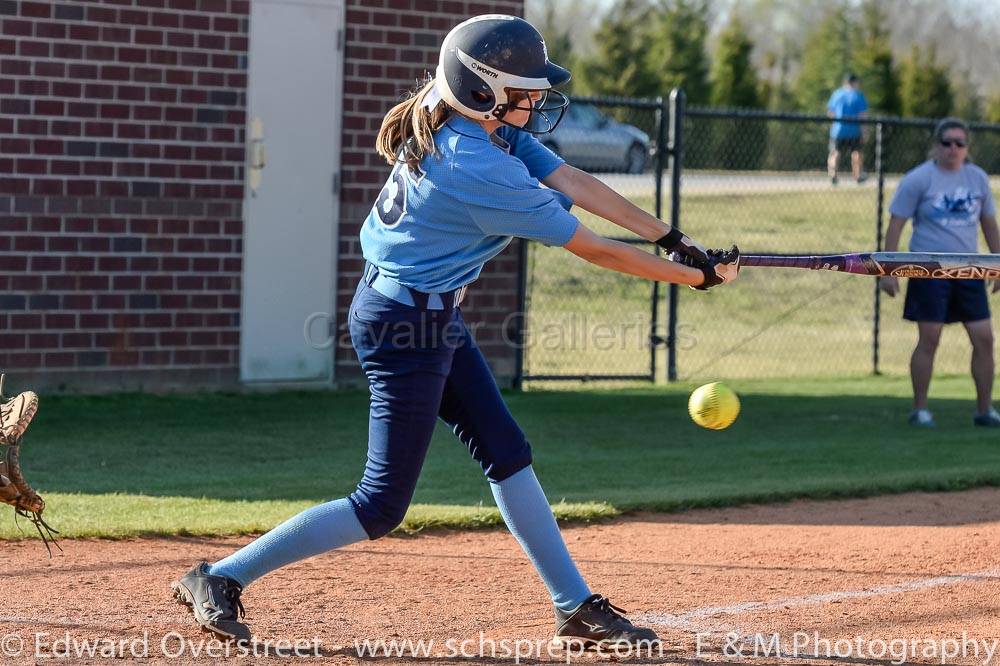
409	127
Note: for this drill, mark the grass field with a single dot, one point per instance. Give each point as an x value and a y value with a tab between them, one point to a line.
796	345
217	464
771	323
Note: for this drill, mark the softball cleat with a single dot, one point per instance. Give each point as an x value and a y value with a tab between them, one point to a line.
597	622
214	601
922	418
990	419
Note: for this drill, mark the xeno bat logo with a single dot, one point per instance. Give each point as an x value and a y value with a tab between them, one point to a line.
967	273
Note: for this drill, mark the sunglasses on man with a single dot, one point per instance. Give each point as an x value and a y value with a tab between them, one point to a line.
948	143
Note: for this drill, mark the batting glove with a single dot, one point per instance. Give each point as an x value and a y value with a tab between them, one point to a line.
676	243
722	267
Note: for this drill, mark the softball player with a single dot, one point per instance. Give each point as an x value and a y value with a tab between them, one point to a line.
465	182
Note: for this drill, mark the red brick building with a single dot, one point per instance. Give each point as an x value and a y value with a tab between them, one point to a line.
125	254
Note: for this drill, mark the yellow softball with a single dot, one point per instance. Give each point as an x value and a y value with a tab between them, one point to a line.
714	406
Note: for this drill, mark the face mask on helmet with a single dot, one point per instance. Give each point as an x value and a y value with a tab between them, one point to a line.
545	108
488	66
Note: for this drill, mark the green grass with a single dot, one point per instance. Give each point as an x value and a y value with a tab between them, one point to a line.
770	323
224	464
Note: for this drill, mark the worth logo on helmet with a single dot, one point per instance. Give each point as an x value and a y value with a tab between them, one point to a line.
485	70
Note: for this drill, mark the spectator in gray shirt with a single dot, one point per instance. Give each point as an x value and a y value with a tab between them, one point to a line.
949	200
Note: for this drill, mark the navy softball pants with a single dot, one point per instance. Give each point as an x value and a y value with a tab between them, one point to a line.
423	364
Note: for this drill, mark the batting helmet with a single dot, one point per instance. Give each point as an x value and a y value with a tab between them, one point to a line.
485	59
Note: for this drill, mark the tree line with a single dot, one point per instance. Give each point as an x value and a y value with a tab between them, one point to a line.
644	48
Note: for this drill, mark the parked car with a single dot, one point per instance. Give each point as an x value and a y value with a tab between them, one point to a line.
590	140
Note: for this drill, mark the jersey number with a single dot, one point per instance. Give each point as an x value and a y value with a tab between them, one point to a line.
391	203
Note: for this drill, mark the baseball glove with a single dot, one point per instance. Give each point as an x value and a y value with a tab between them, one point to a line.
15	416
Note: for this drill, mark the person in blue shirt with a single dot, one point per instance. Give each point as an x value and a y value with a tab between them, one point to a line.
846	102
950	201
466	179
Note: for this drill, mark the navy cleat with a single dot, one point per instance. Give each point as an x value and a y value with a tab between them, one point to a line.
990	419
215	602
597	622
922	418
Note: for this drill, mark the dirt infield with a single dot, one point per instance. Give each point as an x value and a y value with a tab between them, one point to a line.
915	577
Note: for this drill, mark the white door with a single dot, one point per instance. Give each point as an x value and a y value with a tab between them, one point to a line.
291	204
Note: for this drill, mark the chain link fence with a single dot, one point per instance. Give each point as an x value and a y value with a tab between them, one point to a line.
759	180
583	322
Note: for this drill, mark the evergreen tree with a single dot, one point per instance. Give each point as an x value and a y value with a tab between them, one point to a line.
826	57
968	104
924	91
738	143
775	92
677	51
986	143
618	65
734	80
992	112
873	61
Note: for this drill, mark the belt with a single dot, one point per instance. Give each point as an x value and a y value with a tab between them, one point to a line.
403	294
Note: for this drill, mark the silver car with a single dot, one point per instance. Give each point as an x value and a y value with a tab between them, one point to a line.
590	140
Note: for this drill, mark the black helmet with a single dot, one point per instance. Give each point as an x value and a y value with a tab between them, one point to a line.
486	58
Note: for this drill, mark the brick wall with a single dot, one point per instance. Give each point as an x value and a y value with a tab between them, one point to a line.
121	181
121	176
390	44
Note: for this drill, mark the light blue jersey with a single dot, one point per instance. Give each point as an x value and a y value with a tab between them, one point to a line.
433	231
946	206
846	102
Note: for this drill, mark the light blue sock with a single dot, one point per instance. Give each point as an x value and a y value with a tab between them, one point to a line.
314	531
529	518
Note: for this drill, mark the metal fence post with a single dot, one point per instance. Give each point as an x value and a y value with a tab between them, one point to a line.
662	117
876	315
676	150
